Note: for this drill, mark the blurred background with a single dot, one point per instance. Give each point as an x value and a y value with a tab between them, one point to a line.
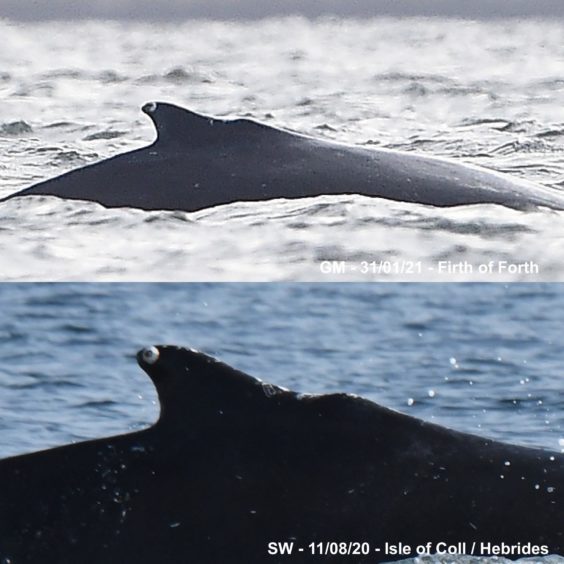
171	9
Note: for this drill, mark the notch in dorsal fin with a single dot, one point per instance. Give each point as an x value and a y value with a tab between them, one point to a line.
178	125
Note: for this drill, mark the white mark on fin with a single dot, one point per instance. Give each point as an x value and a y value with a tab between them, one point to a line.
268	389
150	355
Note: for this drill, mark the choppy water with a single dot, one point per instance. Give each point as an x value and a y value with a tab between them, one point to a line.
480	358
485	93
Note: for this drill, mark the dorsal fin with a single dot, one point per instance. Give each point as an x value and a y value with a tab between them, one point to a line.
178	125
194	387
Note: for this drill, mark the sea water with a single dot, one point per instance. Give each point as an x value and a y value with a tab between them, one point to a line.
486	359
486	93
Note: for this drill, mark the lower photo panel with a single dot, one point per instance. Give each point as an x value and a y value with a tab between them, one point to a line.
251	423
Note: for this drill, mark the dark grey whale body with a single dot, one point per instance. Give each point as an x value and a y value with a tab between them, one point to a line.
198	162
233	464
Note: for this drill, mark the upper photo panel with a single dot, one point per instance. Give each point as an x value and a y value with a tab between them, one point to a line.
320	141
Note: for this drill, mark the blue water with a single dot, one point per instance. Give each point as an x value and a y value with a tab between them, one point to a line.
480	358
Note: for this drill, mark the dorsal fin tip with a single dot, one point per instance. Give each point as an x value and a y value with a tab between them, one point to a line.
172	121
149	108
153	109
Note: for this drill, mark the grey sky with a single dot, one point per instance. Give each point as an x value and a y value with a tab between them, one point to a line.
242	9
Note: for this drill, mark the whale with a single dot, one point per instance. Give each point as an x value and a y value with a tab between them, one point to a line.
198	162
237	470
